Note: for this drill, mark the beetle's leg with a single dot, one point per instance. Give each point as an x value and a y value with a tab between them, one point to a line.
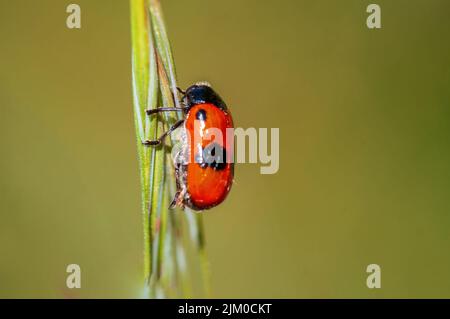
178	200
181	91
164	135
175	200
164	109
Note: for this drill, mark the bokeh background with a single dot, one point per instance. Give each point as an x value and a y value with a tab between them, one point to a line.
364	119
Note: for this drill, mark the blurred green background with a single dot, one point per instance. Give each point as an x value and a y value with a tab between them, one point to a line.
364	120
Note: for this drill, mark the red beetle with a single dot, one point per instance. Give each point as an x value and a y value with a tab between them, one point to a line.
203	169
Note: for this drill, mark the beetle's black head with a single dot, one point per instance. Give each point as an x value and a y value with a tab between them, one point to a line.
200	93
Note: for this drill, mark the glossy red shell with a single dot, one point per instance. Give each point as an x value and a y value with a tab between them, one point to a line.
206	186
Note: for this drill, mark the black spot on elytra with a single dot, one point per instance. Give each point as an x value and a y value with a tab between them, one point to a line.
201	115
213	156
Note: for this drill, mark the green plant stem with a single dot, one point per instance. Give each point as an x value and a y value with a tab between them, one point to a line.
154	85
141	66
